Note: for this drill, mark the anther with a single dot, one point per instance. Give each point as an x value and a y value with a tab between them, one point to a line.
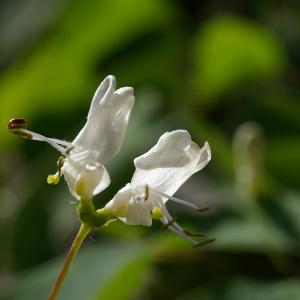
69	150
189	233
53	179
203	209
60	163
16	123
204	243
169	223
146	192
157	213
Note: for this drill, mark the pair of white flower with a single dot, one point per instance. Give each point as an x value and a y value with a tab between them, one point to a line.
159	173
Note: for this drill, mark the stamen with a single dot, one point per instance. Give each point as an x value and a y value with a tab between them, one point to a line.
204	243
38	137
60	163
69	150
187	232
169	223
169	217
24	135
186	203
18	127
53	179
203	209
184	236
175	227
146	192
17	123
61	142
157	213
141	193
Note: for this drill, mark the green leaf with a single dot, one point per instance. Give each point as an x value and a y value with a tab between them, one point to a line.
283	159
230	50
258	289
247	289
127	281
92	271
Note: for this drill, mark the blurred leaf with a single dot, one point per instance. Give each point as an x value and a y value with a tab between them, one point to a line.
60	72
128	281
19	29
92	270
97	271
272	290
283	159
247	236
278	111
230	50
247	289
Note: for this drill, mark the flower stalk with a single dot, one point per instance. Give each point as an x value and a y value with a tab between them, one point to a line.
84	230
89	218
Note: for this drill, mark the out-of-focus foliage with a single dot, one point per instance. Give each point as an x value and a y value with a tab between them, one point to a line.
230	51
228	72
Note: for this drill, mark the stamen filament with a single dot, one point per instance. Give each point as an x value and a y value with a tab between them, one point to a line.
184	236
39	137
170	223
186	203
61	142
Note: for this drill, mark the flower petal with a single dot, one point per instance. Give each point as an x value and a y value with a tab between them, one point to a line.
138	214
128	210
107	120
85	179
167	165
170	151
118	206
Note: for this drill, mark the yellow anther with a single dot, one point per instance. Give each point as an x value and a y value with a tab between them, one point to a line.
157	213
53	179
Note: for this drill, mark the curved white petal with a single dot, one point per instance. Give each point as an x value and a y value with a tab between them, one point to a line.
118	206
129	210
138	214
85	178
107	120
170	151
167	165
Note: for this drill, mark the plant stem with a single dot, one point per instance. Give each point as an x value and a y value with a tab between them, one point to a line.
80	237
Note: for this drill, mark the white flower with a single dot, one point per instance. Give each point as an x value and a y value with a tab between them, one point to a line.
98	141
159	174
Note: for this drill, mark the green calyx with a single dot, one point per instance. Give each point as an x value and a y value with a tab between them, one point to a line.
91	217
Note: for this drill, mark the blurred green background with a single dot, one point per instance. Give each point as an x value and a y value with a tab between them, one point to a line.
227	71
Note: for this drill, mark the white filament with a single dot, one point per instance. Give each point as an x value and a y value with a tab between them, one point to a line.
55	143
186	203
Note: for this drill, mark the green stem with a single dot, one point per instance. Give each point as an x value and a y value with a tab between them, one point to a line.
80	237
